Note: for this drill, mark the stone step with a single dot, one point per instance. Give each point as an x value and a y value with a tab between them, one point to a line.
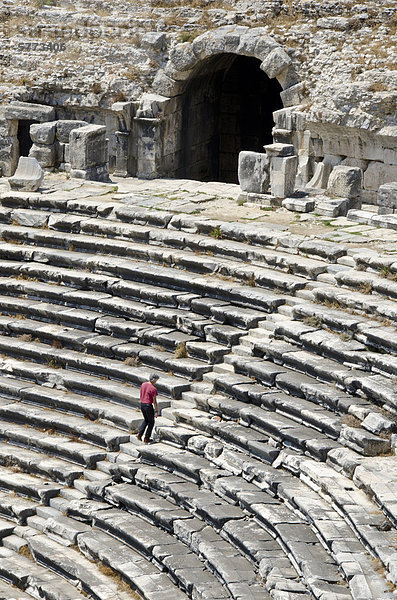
210	351
378	481
16	508
370	282
309	503
150	541
120	308
133	270
177	229
10	592
371	304
254	442
92	408
270	514
73	566
272	427
94	365
375	387
137	572
52	444
97	433
140	574
109	346
80	243
192	532
361	515
226	249
35	579
30	486
29	461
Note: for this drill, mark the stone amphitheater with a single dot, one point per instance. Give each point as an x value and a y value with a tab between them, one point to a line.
144	228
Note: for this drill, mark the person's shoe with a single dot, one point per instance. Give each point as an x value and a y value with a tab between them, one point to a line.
139	437
148	441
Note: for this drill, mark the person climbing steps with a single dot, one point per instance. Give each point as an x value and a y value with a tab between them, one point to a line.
149	408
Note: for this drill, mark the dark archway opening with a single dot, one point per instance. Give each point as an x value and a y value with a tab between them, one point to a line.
227	107
24	139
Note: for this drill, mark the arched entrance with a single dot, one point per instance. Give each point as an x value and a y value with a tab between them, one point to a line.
214	98
226	107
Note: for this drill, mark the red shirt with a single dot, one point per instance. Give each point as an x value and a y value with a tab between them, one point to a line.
148	393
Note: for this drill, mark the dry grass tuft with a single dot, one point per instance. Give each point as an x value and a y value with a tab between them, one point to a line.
351	421
132	361
366	288
313	321
26	337
24	551
118	580
181	350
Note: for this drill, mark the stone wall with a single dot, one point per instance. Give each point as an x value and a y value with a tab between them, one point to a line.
83	61
375	153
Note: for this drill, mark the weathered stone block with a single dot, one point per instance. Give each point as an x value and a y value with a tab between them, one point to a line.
378	173
209	43
182	57
386	221
95	173
387	198
276	61
28	176
322	171
155	40
64	127
345	182
332	208
293	95
303	205
360	216
256	42
279	150
253	172
282	175
31	112
45	155
165	85
43	133
88	147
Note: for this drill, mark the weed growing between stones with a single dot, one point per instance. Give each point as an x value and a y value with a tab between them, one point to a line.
387	274
334	304
52	363
216	233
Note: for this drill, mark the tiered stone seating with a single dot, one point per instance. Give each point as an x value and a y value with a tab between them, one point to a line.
272	395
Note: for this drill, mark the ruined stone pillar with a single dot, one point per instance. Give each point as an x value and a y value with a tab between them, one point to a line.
122	153
149	148
283	169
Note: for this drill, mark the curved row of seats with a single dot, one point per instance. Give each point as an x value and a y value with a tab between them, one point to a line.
272	398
